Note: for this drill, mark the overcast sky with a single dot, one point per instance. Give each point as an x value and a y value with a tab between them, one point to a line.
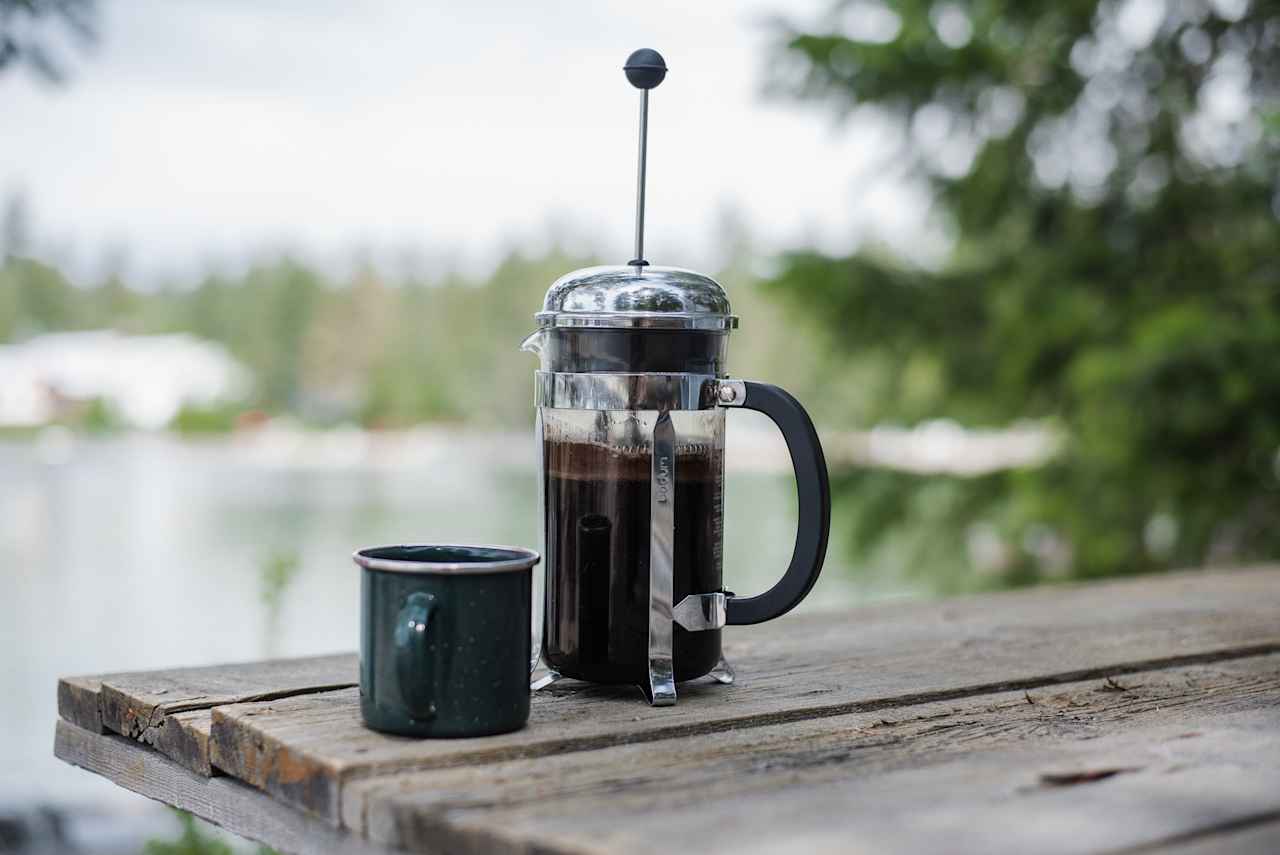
210	131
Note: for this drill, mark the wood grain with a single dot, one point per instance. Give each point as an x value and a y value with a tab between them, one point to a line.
223	801
184	738
985	802
306	750
532	802
168	710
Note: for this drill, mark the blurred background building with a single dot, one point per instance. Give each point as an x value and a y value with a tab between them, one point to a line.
144	380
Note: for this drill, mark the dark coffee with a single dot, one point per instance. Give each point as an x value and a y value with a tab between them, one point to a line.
597	544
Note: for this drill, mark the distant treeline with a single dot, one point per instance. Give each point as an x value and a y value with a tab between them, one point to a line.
364	348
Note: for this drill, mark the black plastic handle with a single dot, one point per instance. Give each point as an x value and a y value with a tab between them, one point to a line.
814	491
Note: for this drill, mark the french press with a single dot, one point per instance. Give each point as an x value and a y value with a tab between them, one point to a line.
631	397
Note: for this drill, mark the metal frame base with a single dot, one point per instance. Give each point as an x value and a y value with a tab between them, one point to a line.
548	679
722	673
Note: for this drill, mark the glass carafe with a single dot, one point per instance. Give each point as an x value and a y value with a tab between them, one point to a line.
630	435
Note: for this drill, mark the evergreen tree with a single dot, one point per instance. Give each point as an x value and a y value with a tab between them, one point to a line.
1109	174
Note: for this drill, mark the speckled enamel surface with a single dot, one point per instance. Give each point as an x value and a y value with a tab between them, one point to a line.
445	655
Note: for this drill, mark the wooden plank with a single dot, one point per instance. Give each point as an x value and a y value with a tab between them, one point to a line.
223	801
184	737
1081	714
78	702
946	785
305	750
168	710
985	803
535	803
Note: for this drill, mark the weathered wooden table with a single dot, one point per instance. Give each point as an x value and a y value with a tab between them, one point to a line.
1129	716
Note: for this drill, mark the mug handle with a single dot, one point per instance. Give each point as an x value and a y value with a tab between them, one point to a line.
813	488
413	658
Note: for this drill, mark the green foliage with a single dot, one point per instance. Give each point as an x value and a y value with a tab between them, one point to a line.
99	417
194	421
276	572
194	840
364	349
328	350
1114	273
36	298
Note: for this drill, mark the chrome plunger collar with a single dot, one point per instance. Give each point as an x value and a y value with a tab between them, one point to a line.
658	392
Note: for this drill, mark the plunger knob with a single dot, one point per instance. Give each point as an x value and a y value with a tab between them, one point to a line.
645	68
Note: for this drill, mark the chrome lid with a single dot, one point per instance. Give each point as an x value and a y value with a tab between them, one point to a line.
654	297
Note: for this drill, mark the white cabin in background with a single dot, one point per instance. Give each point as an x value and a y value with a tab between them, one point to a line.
145	379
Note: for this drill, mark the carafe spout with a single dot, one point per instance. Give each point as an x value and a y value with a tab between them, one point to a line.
533	343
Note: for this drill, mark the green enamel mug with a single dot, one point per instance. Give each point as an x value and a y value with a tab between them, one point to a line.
444	638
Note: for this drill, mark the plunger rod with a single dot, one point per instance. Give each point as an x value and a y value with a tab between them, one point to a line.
645	69
638	259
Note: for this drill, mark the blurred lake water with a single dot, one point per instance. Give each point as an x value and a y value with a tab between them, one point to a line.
148	551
